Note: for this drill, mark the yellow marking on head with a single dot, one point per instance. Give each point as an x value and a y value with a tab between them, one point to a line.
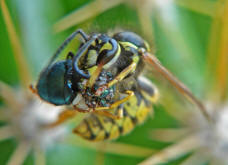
107	46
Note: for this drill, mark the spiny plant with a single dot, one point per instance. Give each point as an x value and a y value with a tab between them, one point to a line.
191	133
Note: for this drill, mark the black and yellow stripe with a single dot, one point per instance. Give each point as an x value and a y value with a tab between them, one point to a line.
99	128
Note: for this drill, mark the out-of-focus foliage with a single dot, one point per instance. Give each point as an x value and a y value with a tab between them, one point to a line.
181	40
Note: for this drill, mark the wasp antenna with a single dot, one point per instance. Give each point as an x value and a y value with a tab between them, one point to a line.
151	59
22	65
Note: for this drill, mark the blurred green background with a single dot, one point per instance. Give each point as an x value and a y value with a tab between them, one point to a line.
180	39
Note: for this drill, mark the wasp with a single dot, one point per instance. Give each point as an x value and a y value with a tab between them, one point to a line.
104	76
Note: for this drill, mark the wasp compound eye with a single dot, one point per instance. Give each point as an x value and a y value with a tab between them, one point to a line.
53	85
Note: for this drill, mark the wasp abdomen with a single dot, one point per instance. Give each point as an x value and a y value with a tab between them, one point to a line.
99	128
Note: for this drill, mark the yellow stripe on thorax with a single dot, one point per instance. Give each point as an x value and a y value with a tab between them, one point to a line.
107	46
127	46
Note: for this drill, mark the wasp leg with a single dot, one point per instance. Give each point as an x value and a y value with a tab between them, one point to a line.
114	105
81	110
149	90
117	103
122	74
68	40
65	115
118	78
117	116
